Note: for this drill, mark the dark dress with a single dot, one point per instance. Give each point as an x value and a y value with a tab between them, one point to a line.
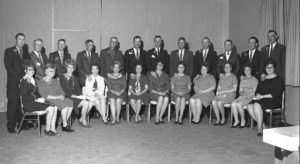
29	94
275	87
117	84
54	89
139	85
71	87
159	83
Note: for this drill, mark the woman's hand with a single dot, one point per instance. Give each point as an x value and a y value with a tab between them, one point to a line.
62	97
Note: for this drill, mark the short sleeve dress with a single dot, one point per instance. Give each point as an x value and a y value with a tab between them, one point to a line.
54	89
158	83
138	85
117	84
247	90
273	86
203	82
181	84
226	83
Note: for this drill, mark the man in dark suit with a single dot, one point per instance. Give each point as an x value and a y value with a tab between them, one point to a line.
252	56
135	55
228	56
182	54
85	59
60	57
38	58
14	57
205	55
109	55
158	54
276	52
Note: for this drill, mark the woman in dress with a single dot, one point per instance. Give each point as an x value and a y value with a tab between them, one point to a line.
116	85
138	91
226	93
204	86
180	87
70	85
268	95
32	100
159	86
247	89
94	91
51	91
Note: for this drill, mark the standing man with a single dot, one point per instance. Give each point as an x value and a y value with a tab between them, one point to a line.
38	58
182	54
85	59
228	56
135	55
14	57
205	55
158	54
252	56
60	57
109	55
276	52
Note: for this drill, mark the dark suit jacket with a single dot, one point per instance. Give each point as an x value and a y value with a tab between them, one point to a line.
234	59
211	59
83	64
255	62
130	61
153	58
107	58
55	59
278	55
13	65
39	66
187	59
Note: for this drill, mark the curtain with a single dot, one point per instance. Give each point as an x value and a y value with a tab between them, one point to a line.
283	17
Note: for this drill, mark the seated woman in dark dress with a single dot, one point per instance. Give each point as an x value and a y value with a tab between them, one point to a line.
159	86
70	85
138	91
116	85
51	90
32	100
268	95
180	87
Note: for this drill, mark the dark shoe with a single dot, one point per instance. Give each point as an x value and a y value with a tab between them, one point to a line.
235	126
55	133
217	124
67	129
156	123
259	134
27	126
117	122
162	122
223	123
241	127
180	123
48	133
176	122
96	115
11	130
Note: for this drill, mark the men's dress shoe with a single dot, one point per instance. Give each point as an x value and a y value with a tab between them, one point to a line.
156	123
162	122
11	130
259	134
175	122
67	129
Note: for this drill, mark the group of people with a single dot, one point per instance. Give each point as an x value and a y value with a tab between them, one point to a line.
252	80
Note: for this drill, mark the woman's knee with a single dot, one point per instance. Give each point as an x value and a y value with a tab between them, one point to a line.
192	101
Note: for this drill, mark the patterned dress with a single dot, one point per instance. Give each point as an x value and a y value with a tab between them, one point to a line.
181	84
203	82
138	85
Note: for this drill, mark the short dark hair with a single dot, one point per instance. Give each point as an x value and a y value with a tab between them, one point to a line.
38	39
272	62
95	64
61	40
19	34
117	62
157	36
254	38
228	64
137	37
247	65
228	40
181	38
88	41
206	65
27	65
273	32
206	38
70	62
50	66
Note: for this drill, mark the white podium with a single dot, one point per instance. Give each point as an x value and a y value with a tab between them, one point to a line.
286	142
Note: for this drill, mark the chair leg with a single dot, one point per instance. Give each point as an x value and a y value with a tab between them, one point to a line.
39	124
21	124
283	118
169	112
271	119
231	117
210	114
127	112
190	114
252	122
149	112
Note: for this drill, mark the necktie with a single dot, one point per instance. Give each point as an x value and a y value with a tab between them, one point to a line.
61	57
157	51
137	54
227	55
251	55
89	56
271	49
40	56
180	55
204	55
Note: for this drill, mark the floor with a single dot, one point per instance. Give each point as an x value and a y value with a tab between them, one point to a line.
136	143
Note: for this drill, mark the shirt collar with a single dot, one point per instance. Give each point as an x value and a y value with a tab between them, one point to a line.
228	52
182	50
253	51
36	52
274	44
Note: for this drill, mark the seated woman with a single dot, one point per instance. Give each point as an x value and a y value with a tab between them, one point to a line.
248	86
226	93
204	86
180	87
51	91
94	91
159	86
70	85
268	95
138	87
116	85
32	100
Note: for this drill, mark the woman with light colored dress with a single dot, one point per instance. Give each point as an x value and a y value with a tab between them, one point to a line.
247	89
180	87
204	86
226	93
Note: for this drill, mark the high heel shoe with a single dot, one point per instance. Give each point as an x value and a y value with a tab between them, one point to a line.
67	129
162	122
259	134
235	126
175	122
156	122
216	123
180	123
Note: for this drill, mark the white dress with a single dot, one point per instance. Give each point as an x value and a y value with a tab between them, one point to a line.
93	86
